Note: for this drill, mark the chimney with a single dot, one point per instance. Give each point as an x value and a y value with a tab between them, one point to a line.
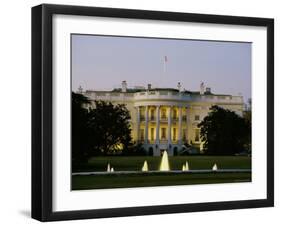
124	86
179	86
208	90
202	88
80	89
149	86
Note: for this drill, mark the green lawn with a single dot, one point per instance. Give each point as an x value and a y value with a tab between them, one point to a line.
121	163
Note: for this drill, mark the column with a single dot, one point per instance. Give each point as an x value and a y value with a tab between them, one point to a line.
186	133
157	124
138	124
169	125
180	126
146	126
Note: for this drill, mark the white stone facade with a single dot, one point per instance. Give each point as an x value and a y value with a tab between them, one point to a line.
166	119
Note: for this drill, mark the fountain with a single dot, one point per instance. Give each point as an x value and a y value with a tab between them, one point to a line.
108	167
183	167
215	167
145	166
164	165
186	166
112	169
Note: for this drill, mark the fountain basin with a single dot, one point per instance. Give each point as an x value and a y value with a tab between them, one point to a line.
166	172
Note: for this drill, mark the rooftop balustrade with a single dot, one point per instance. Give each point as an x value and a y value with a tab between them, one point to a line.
162	95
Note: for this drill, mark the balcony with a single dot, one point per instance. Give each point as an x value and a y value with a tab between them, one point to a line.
175	119
175	141
152	118
164	118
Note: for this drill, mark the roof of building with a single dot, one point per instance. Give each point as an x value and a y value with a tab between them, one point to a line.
136	90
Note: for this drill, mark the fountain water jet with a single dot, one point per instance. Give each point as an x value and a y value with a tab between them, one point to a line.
112	169
108	167
145	166
183	167
164	165
215	167
186	166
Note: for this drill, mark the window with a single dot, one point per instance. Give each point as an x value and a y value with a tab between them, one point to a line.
163	114
152	134
197	135
142	115
174	114
174	134
152	113
197	117
163	133
183	134
142	134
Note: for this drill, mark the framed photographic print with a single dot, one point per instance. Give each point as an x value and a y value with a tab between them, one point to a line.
145	112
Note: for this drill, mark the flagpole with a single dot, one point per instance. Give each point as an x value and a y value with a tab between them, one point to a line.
164	63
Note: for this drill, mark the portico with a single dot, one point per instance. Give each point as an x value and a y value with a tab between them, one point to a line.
162	127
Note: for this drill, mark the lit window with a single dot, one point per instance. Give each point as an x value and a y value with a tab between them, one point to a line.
197	135
163	114
142	114
163	133
174	114
183	134
152	134
174	133
142	134
152	114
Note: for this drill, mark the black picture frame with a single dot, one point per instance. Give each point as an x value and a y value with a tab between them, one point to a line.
42	111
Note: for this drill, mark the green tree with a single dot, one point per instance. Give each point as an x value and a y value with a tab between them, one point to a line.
103	129
223	132
110	128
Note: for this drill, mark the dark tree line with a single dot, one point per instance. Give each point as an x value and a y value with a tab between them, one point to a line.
80	129
224	132
101	130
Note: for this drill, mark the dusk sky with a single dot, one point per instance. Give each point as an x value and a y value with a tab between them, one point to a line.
103	62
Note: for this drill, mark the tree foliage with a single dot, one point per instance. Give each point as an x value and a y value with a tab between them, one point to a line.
103	129
110	128
224	132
